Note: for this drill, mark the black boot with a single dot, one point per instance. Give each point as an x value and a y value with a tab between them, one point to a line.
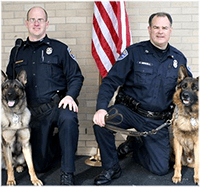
106	176
66	178
126	147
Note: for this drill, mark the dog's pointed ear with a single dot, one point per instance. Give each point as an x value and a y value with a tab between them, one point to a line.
3	76
182	73
22	77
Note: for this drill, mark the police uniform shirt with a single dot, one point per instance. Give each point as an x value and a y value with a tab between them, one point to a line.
50	67
148	78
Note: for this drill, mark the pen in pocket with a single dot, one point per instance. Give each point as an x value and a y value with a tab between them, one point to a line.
42	56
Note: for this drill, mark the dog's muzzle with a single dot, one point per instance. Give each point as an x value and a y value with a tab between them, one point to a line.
188	98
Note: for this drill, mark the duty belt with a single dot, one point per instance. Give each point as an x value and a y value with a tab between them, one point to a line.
134	106
113	125
45	107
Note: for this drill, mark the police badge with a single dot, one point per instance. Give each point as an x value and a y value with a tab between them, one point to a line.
175	63
49	50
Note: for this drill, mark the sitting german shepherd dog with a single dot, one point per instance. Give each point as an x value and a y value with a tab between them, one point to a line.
185	125
15	132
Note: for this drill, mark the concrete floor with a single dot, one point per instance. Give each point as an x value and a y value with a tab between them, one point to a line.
132	174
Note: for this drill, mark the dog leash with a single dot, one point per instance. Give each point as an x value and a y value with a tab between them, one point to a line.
109	125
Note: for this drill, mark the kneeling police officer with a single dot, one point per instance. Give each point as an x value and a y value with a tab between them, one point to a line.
147	74
54	82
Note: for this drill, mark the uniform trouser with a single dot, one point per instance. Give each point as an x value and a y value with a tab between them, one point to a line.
46	146
153	154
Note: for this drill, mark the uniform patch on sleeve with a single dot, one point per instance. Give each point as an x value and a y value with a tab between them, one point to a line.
123	55
70	53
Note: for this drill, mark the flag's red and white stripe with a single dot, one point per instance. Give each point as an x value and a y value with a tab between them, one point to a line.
110	35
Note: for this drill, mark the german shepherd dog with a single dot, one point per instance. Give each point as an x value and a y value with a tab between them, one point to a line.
185	125
15	132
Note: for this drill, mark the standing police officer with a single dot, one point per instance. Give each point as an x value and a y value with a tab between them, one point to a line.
54	83
147	73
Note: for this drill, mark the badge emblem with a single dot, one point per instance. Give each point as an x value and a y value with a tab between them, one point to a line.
49	50
70	53
175	63
123	55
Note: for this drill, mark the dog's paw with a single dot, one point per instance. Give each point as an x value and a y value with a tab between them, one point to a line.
176	179
196	180
11	182
37	182
19	169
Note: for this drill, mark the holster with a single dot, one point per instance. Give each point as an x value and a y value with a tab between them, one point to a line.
46	106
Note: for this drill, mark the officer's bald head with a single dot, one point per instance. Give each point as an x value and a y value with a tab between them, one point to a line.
160	14
46	15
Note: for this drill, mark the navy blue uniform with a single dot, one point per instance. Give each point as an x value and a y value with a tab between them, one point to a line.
51	69
150	78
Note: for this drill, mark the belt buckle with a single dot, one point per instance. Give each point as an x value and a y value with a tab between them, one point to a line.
150	114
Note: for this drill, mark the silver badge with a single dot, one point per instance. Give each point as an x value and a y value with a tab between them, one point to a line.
49	50
175	63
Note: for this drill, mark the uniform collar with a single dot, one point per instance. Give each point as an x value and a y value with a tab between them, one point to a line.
45	41
148	49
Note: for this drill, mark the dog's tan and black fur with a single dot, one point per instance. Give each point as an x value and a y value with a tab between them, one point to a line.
185	125
15	118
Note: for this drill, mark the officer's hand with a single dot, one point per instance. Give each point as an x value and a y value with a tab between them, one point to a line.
99	117
68	100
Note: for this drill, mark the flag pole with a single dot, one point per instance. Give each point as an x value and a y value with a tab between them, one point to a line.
95	160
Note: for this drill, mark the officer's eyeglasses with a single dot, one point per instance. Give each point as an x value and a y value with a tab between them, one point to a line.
33	20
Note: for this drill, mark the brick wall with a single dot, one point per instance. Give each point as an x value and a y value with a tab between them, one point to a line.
71	22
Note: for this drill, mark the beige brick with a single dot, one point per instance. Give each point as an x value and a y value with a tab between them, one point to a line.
84	13
190	40
91	144
181	4
76	5
195	61
81	144
6	29
190	10
30	5
51	28
56	35
20	14
191	25
56	20
20	28
76	20
64	13
13	21
86	137
87	151
66	27
51	6
12	7
7	15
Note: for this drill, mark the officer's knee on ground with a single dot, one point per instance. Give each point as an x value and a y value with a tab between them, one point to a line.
160	171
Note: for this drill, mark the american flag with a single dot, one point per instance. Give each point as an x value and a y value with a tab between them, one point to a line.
110	34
